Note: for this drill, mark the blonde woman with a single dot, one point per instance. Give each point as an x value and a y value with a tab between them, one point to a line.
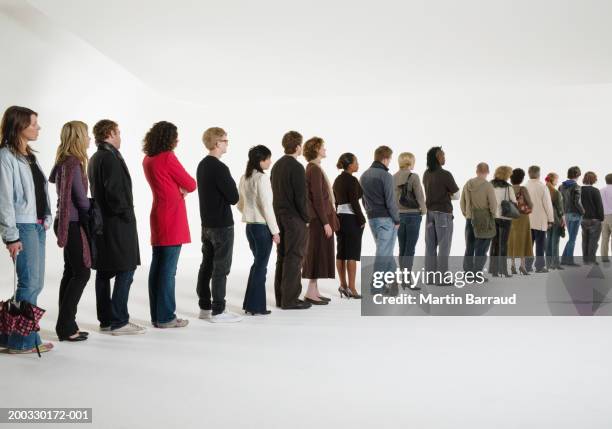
498	264
70	180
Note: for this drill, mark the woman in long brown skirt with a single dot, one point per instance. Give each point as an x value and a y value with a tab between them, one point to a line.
519	244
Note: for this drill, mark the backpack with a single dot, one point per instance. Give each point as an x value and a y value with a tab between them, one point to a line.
407	197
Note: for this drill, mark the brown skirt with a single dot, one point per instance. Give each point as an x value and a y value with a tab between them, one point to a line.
519	244
319	260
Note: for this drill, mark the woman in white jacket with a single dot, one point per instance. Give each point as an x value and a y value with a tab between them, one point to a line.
498	265
255	204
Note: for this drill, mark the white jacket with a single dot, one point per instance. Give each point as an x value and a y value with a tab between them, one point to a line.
542	212
503	194
255	201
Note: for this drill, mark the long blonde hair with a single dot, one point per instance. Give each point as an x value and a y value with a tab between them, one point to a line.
73	142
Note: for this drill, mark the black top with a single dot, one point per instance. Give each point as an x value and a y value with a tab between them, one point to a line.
347	190
288	179
439	185
39	187
217	191
591	201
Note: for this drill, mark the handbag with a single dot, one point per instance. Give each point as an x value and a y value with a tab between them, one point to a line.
483	223
509	208
522	203
407	197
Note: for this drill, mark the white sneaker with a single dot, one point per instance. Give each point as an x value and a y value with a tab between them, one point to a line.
205	314
129	329
226	317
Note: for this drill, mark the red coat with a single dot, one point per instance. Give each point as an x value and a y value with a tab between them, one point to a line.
166	175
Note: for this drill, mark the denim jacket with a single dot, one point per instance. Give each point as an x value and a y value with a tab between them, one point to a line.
17	195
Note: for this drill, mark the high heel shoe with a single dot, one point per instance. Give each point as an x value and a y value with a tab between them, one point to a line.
344	292
354	294
523	271
513	270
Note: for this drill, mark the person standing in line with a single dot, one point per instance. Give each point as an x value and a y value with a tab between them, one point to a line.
170	184
440	189
117	249
25	215
217	191
606	232
479	206
70	226
382	211
255	204
288	179
504	226
592	219
557	229
541	218
573	209
347	193
410	200
519	243
323	222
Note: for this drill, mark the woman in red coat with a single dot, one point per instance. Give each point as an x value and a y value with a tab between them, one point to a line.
170	184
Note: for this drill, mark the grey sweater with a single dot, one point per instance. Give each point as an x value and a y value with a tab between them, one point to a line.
378	194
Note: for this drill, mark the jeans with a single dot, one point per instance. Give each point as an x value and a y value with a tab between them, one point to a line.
553	236
113	310
289	256
30	279
438	240
260	242
499	247
572	220
591	231
217	247
606	233
539	238
384	233
475	250
407	236
162	276
75	277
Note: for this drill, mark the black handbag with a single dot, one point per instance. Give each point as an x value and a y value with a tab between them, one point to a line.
509	208
407	198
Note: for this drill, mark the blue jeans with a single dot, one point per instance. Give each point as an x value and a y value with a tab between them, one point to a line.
260	242
113	309
384	233
572	221
162	283
30	279
407	236
438	240
475	250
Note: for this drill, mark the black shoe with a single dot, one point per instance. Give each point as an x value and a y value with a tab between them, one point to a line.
314	301
354	295
79	337
542	270
324	298
523	271
300	305
84	333
344	292
255	313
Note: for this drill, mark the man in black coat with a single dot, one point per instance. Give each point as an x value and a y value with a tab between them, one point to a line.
290	207
117	249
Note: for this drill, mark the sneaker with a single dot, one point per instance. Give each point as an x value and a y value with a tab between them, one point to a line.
176	323
226	317
129	329
205	314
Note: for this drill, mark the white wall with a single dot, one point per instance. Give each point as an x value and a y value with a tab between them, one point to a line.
48	66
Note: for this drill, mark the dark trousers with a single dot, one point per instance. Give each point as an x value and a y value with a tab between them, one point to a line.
162	275
553	237
113	309
75	277
217	248
260	242
475	250
290	252
591	231
539	239
499	247
407	237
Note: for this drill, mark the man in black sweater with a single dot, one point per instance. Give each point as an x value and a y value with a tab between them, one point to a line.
217	191
289	201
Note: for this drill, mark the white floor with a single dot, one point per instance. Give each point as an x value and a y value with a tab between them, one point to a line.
325	367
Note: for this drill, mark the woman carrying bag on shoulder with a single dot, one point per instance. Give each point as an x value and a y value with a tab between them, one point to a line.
505	212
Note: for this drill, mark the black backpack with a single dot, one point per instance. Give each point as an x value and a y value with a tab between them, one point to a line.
407	198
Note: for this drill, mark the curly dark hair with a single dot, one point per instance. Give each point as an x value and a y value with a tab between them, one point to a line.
312	147
432	158
517	177
161	137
